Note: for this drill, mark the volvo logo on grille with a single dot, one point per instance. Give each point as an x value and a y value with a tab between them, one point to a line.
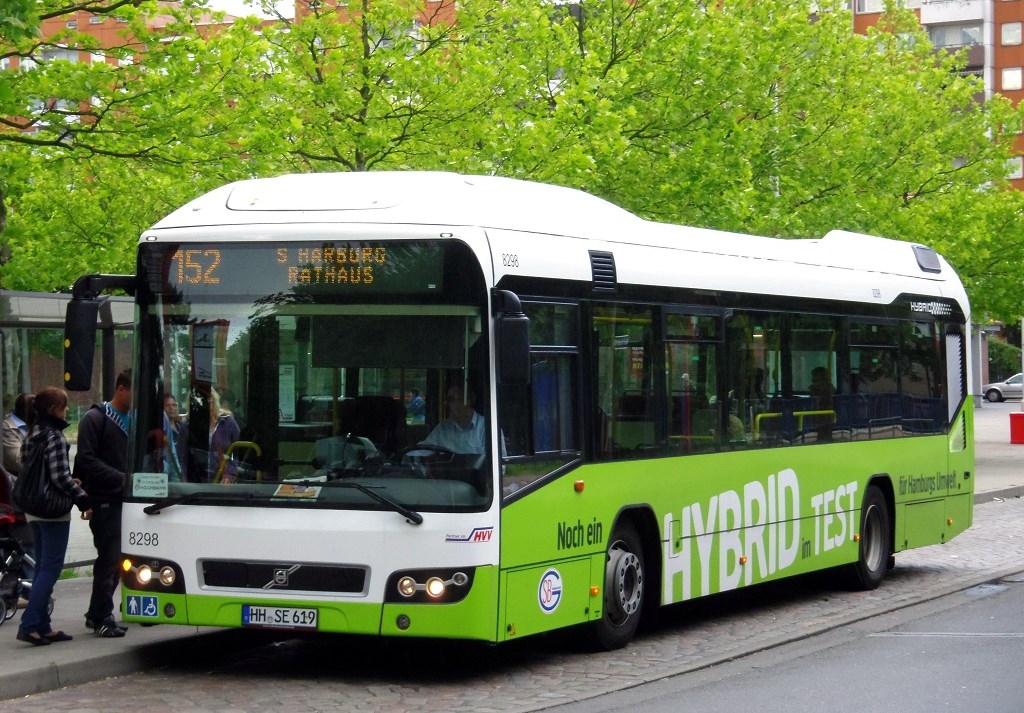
281	575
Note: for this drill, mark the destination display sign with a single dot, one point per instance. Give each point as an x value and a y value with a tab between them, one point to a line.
314	268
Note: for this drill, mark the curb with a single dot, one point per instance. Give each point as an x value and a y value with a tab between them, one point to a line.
117	663
1016	491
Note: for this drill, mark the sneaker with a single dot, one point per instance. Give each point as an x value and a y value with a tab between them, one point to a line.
109	630
92	623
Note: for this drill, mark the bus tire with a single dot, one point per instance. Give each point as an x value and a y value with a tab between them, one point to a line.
623	590
875	538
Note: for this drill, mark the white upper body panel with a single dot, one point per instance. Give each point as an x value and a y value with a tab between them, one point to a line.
538	230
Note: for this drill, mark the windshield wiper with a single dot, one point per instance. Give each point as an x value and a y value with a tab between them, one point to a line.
411	516
159	505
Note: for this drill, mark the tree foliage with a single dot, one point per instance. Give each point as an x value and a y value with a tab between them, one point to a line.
752	116
1003	360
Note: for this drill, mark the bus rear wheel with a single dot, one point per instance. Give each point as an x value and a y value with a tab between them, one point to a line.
875	538
623	590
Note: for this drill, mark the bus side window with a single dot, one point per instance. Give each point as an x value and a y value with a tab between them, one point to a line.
625	379
539	422
753	362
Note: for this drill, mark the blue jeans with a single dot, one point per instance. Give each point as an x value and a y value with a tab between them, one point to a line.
51	546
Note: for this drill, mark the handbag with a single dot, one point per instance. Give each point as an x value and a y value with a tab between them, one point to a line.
34	492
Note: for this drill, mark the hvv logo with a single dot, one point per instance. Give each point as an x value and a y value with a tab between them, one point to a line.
479	534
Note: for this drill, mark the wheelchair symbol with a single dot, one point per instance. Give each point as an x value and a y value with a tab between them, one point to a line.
149	606
143	606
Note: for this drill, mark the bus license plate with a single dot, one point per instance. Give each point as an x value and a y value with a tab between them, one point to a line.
279	617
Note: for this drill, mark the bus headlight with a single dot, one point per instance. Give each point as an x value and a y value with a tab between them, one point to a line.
407	586
143	574
436	586
152	575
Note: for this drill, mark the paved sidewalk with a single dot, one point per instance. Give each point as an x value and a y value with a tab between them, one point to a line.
991	549
999	463
29	669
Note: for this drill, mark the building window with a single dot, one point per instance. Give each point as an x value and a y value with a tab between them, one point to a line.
1011	79
956	35
71	24
1011	33
61	54
1015	168
95	20
867	7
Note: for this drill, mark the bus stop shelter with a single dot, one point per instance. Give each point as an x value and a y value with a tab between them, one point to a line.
21	312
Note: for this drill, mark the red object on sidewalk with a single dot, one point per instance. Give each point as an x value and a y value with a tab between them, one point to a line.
1017	427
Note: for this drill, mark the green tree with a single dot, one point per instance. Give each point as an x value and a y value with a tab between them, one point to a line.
1003	360
95	152
753	116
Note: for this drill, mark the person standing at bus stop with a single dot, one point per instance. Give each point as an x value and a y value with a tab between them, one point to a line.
15	433
101	465
47	421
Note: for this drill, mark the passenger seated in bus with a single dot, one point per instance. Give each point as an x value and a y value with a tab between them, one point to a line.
735	431
463	431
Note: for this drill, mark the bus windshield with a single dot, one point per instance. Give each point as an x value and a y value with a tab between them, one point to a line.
332	374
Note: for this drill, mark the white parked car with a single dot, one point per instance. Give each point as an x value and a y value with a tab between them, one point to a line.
1002	390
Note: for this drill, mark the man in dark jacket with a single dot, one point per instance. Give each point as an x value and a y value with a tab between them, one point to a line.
101	465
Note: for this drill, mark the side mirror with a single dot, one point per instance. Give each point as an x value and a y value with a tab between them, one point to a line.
80	343
511	339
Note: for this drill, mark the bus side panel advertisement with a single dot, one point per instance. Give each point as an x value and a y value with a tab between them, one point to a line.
801	515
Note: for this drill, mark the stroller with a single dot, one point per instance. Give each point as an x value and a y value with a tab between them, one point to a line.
13	586
12	559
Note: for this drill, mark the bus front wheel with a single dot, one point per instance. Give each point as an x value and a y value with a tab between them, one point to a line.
623	590
875	537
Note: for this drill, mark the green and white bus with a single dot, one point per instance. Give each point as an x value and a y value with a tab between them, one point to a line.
645	413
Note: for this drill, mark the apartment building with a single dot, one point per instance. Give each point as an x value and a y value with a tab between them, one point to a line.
109	30
990	30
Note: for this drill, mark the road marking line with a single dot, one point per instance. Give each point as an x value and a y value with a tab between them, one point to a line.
953	635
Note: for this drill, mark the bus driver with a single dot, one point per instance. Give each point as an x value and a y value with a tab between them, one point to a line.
463	430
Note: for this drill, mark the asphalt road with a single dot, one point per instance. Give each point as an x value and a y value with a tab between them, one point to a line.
961	652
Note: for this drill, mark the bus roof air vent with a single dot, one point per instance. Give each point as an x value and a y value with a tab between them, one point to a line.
602	267
927	259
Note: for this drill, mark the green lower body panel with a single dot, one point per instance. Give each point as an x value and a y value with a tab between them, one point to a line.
473	617
552	596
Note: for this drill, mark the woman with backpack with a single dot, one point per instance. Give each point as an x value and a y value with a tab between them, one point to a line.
46	422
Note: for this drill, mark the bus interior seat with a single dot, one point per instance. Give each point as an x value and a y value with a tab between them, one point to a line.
379	418
705	422
632	406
